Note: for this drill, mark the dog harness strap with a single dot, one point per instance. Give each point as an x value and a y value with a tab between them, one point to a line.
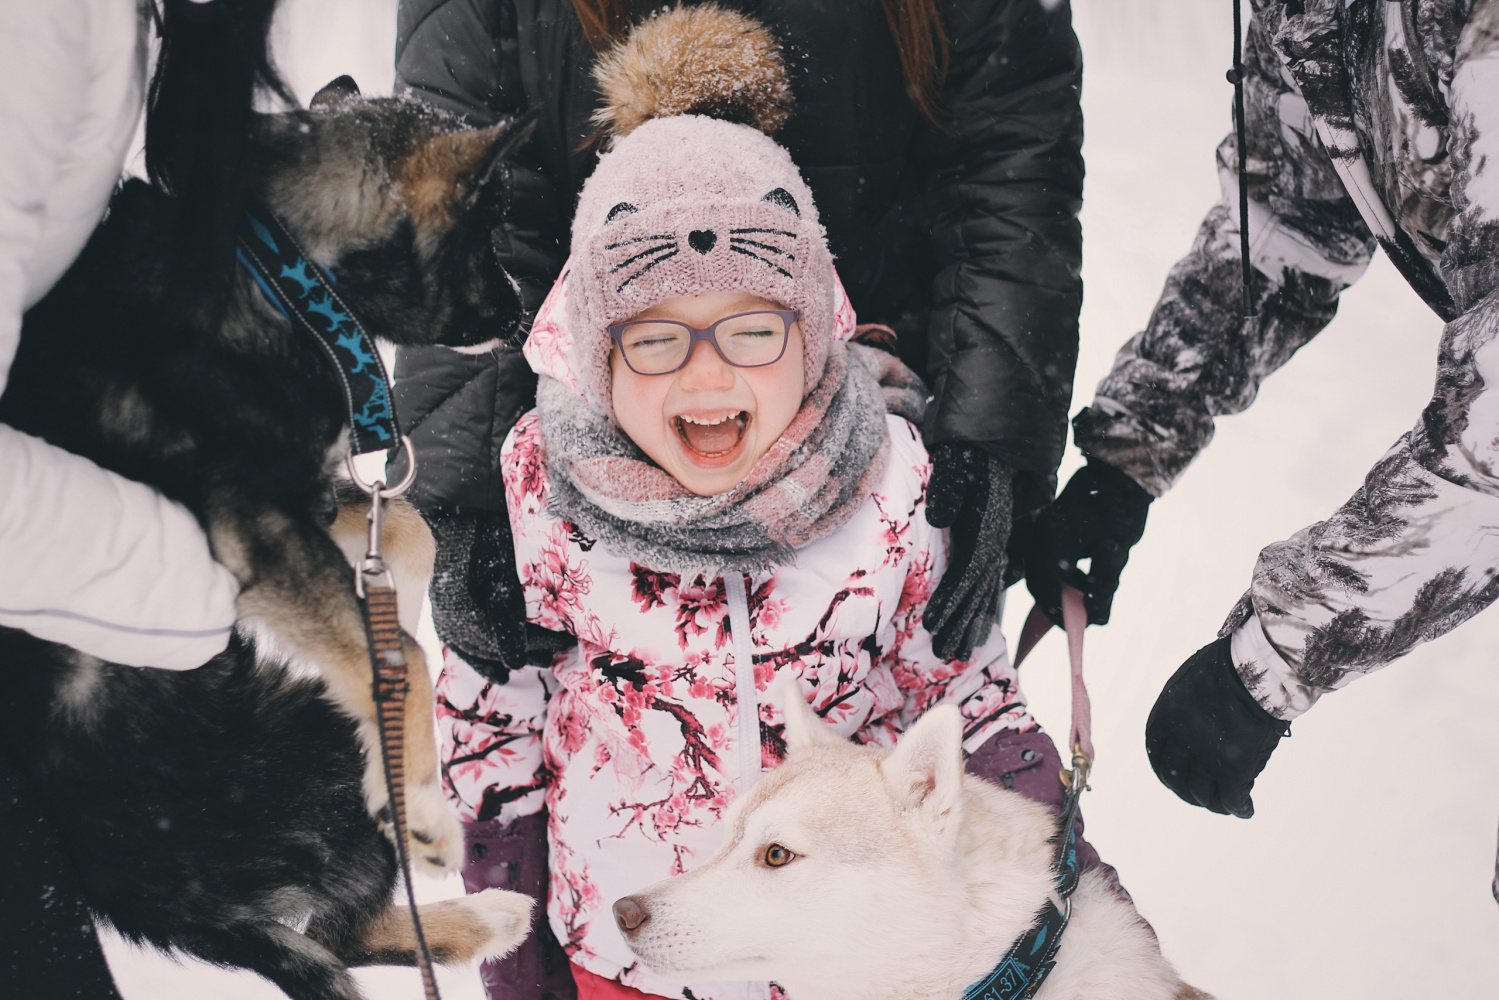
746	693
1026	964
303	293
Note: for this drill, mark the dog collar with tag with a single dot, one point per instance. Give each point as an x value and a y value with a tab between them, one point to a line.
303	293
1024	967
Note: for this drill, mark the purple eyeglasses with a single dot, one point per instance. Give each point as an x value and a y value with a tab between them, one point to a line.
744	340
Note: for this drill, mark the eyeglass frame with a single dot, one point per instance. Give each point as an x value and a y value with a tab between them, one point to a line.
788	317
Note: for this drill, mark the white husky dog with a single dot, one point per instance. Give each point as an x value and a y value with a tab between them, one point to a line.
854	873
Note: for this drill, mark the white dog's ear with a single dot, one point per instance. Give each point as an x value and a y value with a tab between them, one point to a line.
925	770
804	729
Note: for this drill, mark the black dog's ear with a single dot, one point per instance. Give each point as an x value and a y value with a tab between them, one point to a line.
335	92
506	138
447	176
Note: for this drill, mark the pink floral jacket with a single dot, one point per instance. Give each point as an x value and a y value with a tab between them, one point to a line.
632	739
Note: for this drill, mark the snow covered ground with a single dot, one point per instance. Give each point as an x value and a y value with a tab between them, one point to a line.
1365	873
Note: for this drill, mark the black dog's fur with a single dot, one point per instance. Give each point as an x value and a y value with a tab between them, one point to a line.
209	810
201	808
238	420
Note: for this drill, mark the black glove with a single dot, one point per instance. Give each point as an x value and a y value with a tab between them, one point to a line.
1099	515
478	606
1207	738
970	492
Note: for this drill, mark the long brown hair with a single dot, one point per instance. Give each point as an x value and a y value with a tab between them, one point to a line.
914	24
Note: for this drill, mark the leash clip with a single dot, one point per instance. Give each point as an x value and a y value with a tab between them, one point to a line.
1082	764
372	570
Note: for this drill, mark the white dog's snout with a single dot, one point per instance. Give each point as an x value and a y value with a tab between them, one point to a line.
630	913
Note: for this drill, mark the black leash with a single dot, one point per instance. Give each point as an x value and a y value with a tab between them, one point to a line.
1236	77
304	293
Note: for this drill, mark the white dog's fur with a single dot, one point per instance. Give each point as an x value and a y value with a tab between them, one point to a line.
909	880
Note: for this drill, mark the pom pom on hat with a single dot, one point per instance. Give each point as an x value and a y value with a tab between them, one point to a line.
701	60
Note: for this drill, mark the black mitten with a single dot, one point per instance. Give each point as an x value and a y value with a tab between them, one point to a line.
1207	738
1098	516
970	492
477	604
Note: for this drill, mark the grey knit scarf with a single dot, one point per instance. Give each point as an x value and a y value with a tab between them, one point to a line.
825	464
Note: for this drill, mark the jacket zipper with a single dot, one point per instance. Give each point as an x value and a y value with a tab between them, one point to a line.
744	680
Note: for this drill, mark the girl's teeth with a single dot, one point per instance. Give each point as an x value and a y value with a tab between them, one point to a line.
710	423
712	438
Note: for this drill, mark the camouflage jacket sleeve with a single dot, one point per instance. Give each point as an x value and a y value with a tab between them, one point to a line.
1415	552
1199	357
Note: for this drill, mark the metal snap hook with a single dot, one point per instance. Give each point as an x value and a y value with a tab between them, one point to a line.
372	566
387	492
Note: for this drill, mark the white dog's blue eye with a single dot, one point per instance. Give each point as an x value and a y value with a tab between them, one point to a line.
777	856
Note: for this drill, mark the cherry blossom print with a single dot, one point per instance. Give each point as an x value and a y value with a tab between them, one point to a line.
765	610
574	898
557	581
630	739
549	346
525	484
703	608
493	765
897	534
652	589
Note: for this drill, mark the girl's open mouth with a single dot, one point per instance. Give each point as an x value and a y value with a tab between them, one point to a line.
711	439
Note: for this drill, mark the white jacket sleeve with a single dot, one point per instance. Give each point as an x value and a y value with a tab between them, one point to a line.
104	564
87	558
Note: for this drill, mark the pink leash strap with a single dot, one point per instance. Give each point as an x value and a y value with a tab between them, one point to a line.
1074	620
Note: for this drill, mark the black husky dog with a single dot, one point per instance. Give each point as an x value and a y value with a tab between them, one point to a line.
217	809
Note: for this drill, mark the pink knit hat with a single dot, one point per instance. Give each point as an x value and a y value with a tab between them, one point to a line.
685	203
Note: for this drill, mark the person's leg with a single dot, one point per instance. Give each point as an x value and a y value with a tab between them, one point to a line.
48	945
515	857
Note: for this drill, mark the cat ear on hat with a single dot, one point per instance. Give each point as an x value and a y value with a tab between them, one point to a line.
783	198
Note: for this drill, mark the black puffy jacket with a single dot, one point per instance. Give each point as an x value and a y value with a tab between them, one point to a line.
963	239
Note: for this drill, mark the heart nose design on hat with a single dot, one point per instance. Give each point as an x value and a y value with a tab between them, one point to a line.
702	240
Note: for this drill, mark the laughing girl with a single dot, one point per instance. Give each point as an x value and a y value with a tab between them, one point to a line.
710	495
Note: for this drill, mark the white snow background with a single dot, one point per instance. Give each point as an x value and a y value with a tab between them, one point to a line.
1365	872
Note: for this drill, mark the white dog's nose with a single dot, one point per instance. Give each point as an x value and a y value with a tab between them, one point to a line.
630	913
